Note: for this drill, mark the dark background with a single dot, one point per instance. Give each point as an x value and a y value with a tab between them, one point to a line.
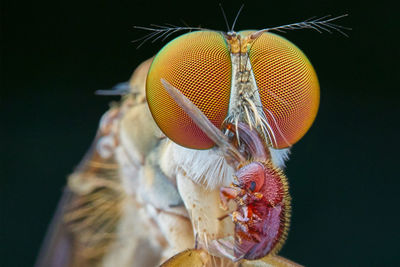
344	183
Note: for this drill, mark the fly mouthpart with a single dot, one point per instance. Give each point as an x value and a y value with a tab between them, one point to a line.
248	141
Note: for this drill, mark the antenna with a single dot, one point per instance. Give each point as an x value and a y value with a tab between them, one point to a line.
321	24
162	32
237	15
223	14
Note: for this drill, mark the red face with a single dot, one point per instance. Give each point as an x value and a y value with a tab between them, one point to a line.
251	176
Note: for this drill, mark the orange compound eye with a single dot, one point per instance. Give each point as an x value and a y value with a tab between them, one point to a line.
199	65
288	87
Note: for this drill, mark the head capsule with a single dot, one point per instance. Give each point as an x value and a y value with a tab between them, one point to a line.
205	67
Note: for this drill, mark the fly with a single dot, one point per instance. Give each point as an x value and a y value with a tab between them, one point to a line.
190	162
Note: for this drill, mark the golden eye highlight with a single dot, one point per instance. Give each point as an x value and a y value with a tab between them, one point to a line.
288	87
199	65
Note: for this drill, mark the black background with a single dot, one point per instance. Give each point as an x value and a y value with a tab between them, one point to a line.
343	177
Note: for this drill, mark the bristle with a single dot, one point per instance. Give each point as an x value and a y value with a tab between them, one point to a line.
285	219
95	209
279	156
206	167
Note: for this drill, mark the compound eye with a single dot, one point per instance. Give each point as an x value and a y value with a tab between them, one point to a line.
199	65
288	88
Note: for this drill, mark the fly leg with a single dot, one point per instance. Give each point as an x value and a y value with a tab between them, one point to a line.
226	194
241	221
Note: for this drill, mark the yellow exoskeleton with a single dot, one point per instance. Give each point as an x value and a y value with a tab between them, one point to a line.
148	192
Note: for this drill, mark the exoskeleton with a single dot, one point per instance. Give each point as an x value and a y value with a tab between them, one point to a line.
208	120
